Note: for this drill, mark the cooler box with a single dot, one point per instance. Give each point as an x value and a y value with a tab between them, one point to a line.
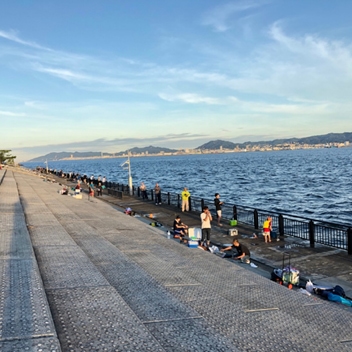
192	244
233	222
233	232
195	232
290	276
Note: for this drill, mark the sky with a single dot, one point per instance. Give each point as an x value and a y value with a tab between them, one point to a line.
92	75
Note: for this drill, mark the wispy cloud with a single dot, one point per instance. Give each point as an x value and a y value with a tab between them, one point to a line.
10	113
64	74
103	143
13	36
312	45
189	98
219	17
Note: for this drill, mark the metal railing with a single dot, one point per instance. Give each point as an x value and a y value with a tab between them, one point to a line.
313	231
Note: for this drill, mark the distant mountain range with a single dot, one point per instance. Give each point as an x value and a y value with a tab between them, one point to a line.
322	139
66	155
212	145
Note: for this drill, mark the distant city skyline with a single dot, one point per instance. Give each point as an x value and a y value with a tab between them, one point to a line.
341	140
113	75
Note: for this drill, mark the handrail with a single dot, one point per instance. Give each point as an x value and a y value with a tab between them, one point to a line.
313	231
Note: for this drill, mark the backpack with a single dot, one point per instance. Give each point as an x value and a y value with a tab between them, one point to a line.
338	290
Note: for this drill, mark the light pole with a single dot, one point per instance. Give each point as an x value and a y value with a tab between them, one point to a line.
128	162
129	175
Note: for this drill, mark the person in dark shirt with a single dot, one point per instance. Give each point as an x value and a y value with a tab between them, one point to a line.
218	205
239	252
180	228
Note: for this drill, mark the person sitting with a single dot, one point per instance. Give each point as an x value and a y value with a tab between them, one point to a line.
238	252
180	229
64	190
128	211
78	188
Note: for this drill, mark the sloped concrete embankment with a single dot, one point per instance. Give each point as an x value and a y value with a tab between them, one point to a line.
114	283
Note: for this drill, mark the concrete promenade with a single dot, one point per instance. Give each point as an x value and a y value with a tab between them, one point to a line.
82	276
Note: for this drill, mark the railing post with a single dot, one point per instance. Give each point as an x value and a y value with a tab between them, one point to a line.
189	203
256	222
152	194
234	212
349	241
133	190
168	198
178	201
202	204
311	233
138	192
281	225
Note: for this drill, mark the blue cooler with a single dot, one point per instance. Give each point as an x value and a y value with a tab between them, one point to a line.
193	244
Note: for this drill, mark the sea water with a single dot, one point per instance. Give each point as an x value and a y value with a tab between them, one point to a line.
313	183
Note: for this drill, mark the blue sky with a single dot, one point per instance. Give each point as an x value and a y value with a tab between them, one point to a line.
110	75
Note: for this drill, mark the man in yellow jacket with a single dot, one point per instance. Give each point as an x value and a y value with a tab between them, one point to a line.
185	199
267	227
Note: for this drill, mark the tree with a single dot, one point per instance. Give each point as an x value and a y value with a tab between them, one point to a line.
6	157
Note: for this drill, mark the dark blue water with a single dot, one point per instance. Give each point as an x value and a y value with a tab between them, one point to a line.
313	183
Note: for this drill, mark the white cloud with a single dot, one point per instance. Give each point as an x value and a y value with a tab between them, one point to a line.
311	48
10	113
219	17
189	98
65	74
13	36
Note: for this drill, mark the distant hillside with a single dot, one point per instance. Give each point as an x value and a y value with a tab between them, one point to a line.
321	139
63	155
213	145
149	150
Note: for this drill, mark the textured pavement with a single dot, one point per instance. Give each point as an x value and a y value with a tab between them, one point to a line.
110	282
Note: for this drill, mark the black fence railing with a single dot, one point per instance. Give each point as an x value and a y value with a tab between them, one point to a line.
313	231
2	175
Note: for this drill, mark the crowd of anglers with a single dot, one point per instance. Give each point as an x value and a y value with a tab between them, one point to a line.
74	177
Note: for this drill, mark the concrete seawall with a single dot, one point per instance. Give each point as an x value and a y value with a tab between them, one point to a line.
110	282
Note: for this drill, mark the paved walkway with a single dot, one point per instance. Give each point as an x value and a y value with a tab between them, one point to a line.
113	283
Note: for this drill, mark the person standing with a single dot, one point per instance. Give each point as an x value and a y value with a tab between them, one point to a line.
218	205
99	190
206	218
143	189
185	199
267	227
157	193
90	191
